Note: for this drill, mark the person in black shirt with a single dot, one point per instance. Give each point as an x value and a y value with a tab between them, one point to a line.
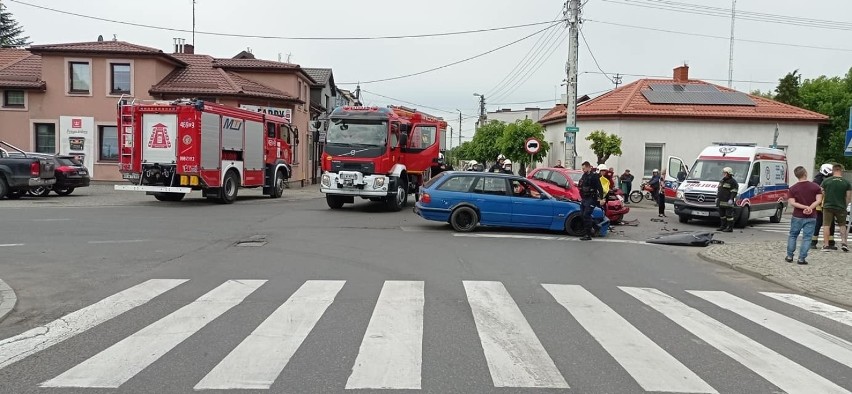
591	192
498	166
725	200
626	184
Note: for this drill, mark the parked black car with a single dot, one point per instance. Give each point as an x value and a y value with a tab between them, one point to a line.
70	174
19	171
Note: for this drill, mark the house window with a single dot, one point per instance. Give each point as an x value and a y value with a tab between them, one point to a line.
45	138
653	158
108	143
119	78
13	98
80	77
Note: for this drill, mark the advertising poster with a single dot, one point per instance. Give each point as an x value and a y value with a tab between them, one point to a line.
77	138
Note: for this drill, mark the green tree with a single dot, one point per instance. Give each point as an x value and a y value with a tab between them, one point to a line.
604	145
514	137
788	89
11	33
483	147
831	97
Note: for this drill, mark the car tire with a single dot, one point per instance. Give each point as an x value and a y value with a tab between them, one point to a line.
278	185
169	196
742	220
64	192
4	188
334	202
15	195
683	218
779	212
395	202
230	188
39	191
574	224
464	219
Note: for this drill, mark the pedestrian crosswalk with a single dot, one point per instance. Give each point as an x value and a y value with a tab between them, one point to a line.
784	228
391	351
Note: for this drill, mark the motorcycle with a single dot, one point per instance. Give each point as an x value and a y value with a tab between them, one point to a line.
614	207
645	191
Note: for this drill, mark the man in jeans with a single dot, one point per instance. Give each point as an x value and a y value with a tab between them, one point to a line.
804	197
838	193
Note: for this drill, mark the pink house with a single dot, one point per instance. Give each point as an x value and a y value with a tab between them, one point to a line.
54	95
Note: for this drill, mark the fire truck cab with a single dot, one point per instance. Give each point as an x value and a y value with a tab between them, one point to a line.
170	148
380	154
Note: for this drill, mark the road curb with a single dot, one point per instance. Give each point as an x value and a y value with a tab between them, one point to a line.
773	279
8	299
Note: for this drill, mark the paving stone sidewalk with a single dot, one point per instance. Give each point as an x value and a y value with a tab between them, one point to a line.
828	276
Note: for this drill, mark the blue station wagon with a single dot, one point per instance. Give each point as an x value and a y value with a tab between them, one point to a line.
467	199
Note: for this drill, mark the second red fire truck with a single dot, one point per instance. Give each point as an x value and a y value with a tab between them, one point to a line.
380	154
170	148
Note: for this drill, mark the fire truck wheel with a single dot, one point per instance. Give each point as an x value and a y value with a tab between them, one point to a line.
278	185
334	202
464	219
169	196
230	187
395	202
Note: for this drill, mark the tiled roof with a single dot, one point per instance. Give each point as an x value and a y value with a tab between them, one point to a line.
628	102
105	47
258	65
20	69
200	77
321	75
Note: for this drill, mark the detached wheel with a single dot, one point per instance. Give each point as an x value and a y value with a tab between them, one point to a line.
39	191
278	185
334	202
169	196
683	218
230	187
464	219
64	192
574	224
776	218
395	202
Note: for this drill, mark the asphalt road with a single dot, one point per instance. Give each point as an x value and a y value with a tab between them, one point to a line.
150	297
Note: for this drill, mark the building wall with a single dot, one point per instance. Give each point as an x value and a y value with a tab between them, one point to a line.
533	114
685	139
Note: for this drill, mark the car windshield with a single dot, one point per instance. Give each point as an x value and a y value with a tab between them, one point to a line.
711	170
357	133
68	161
575	176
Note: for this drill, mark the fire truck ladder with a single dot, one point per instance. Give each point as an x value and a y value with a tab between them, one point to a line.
125	128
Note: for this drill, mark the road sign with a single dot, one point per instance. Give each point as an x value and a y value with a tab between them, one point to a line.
572	129
532	146
848	150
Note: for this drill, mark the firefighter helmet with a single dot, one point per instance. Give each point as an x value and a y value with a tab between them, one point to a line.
728	170
826	169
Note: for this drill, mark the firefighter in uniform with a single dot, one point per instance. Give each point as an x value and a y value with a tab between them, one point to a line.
591	192
725	196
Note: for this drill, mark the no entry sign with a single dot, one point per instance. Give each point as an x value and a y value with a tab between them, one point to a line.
532	146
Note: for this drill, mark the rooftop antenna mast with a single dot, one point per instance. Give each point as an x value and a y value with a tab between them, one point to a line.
731	53
193	23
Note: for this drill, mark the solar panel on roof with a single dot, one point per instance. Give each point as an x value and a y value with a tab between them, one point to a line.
699	98
674	87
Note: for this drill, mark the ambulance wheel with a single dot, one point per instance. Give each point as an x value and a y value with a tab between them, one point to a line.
742	221
776	218
230	187
169	196
683	218
278	185
334	202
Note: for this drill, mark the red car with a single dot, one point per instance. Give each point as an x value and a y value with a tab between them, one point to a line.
559	182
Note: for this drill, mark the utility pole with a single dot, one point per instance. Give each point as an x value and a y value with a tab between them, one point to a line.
572	17
460	124
617	80
731	53
482	117
193	23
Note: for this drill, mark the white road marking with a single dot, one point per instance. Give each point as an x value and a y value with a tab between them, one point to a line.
548	238
33	341
825	310
258	360
777	369
51	220
650	365
9	245
120	362
818	340
119	241
515	356
391	353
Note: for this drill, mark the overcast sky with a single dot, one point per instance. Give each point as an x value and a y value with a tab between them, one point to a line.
626	50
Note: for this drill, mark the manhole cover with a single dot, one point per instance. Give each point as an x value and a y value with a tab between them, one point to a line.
253	241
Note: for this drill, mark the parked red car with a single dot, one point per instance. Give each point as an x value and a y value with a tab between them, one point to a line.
559	182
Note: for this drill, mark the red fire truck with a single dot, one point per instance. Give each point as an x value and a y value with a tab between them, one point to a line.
169	148
380	154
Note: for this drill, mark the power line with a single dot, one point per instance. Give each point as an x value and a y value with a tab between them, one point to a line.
534	68
589	48
526	63
453	63
218	34
410	103
526	102
669	77
719	37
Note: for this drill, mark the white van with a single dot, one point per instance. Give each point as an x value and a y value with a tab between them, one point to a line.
760	172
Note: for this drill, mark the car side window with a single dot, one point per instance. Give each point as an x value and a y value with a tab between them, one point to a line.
542	175
559	179
457	184
524	189
490	185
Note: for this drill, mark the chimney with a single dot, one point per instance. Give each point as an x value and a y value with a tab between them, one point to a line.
681	74
189	49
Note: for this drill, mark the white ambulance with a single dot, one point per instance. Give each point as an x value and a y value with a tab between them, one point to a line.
760	172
